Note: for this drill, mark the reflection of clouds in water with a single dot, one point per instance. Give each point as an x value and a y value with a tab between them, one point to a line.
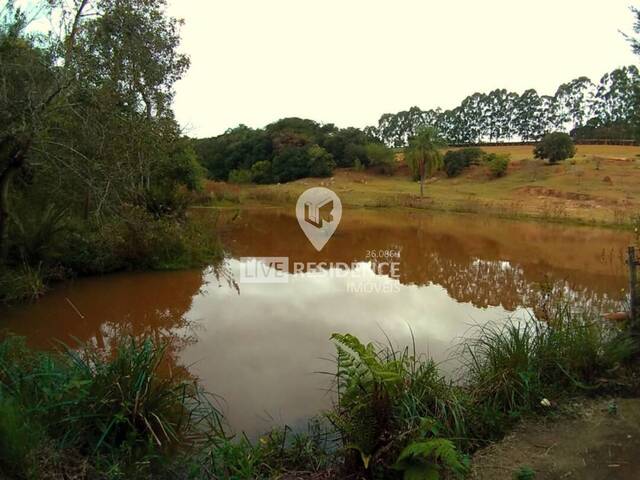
259	349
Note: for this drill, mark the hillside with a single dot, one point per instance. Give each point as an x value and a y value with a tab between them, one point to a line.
601	184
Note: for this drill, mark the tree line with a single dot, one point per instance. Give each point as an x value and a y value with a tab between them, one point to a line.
608	109
289	149
294	148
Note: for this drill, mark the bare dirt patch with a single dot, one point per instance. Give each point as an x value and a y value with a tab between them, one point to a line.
602	443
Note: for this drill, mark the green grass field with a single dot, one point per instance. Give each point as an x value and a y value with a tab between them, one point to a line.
600	185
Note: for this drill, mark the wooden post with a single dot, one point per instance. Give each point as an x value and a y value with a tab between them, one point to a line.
633	287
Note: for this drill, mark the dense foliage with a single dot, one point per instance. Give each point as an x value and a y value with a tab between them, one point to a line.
89	147
455	161
498	164
502	115
289	149
555	147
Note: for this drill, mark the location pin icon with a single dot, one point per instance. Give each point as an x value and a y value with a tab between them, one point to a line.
319	211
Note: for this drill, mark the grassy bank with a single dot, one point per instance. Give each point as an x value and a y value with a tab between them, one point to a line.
83	413
600	186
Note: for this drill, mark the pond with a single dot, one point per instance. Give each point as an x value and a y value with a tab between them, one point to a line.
262	347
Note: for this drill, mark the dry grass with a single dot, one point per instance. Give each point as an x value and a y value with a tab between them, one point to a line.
600	185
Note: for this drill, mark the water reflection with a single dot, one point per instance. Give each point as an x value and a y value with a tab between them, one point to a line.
486	262
258	345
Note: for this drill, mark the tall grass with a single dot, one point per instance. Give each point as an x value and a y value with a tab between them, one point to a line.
509	369
115	409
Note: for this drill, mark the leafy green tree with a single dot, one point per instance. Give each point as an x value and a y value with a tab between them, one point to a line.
424	153
237	148
574	100
89	110
380	157
261	172
455	161
526	115
298	162
617	96
340	144
555	147
321	163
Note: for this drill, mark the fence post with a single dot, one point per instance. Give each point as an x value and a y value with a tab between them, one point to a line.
633	287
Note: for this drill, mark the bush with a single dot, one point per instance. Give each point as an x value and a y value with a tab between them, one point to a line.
555	147
299	162
498	164
240	176
380	157
136	240
455	161
261	172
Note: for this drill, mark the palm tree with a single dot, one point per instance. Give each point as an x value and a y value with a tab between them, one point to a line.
424	153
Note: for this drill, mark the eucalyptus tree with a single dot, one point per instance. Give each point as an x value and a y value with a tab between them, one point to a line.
617	96
526	115
424	153
499	114
549	119
389	130
472	118
574	100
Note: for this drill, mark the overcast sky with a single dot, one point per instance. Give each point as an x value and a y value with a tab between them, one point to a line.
349	61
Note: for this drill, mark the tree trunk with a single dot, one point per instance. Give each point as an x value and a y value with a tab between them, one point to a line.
16	160
422	169
5	180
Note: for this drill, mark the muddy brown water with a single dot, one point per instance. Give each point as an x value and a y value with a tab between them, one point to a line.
261	346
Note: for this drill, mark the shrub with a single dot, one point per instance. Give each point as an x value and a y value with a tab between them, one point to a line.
35	232
299	162
320	163
498	164
555	147
261	172
240	176
135	240
380	157
455	161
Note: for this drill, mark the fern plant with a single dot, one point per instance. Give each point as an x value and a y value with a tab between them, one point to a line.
366	387
426	458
